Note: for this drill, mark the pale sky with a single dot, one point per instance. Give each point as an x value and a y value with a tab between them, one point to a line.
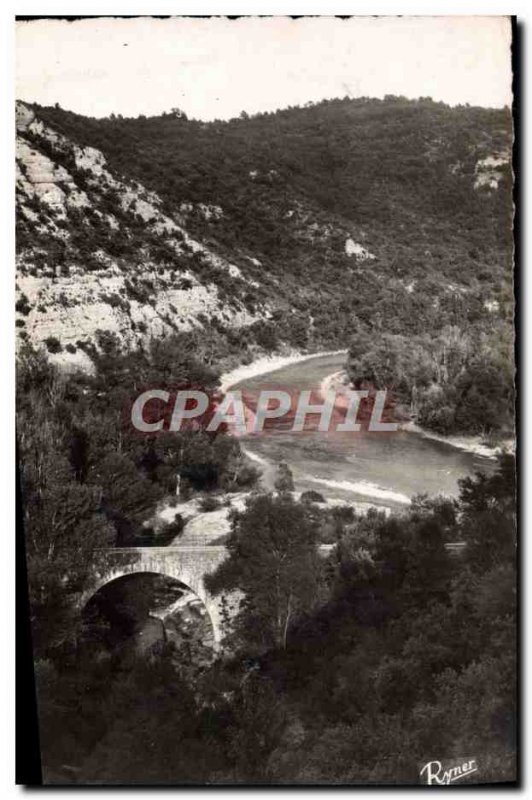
215	68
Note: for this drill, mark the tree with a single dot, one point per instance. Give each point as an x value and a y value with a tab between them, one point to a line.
488	522
273	561
126	496
65	531
284	481
64	527
259	718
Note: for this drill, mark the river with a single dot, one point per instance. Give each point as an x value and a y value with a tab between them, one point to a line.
381	469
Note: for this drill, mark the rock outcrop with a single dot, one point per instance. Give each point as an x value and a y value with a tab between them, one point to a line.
73	282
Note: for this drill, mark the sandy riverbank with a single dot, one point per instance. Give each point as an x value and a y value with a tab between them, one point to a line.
472	444
203	528
269	364
338	381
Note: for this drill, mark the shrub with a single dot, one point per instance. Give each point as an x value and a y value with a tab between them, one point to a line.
209	503
87	347
247	476
23	305
53	344
266	335
108	342
141	292
113	300
312	497
71	348
173	529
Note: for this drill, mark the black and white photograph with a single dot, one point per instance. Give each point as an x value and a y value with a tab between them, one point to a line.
265	335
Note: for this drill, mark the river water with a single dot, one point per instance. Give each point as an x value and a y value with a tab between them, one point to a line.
380	469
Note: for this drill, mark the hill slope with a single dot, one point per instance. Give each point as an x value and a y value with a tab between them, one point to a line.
310	226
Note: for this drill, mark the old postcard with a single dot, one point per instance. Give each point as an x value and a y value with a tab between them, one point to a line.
266	398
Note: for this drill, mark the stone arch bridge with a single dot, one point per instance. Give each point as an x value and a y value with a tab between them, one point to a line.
186	564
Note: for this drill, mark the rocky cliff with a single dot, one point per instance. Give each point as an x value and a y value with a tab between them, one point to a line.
302	227
97	254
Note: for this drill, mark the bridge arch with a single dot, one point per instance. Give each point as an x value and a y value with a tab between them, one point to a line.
186	565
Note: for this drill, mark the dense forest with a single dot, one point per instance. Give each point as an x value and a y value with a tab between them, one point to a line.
285	191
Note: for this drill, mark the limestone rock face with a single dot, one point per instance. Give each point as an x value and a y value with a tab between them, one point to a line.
355	249
23	116
489	172
73	283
